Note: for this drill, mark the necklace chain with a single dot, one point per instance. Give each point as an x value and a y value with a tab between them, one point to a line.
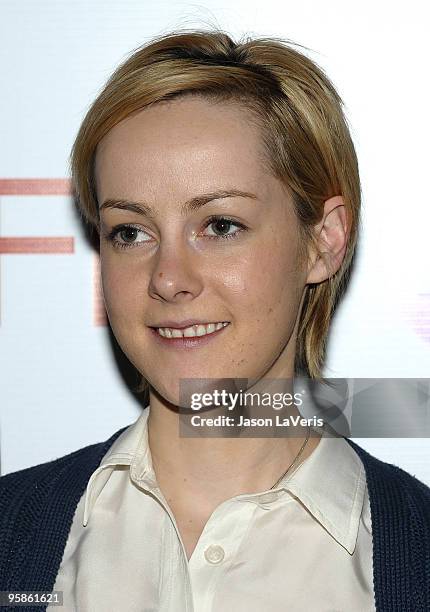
294	460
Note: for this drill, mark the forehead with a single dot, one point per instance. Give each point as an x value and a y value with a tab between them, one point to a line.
182	145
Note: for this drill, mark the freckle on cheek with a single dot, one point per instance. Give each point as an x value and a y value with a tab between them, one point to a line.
160	275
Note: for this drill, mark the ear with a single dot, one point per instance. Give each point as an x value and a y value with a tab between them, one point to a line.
332	236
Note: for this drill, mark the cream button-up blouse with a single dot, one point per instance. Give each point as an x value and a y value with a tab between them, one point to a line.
305	546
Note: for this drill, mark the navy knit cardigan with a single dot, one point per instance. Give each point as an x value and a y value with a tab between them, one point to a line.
37	505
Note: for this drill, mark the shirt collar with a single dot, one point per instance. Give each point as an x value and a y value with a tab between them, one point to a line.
130	448
330	482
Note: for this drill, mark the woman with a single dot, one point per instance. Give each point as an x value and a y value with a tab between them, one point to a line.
192	137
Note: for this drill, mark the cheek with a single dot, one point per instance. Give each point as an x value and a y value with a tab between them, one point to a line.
269	282
122	288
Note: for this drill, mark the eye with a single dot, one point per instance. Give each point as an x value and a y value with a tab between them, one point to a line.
222	224
128	235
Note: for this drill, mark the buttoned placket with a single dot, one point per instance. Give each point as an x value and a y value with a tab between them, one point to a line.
146	481
218	543
218	548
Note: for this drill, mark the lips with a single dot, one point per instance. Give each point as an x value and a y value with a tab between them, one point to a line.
183	324
192	331
187	342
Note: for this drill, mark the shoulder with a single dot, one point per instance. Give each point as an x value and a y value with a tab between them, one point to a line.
400	511
81	463
37	505
390	483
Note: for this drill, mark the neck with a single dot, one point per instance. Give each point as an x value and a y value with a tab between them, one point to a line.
207	471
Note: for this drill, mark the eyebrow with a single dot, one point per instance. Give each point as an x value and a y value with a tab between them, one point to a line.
195	203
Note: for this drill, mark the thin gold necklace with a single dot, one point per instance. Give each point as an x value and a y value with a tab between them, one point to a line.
295	460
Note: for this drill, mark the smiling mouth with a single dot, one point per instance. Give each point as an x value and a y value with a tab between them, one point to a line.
193	331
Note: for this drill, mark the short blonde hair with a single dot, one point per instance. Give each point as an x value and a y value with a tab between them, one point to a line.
304	129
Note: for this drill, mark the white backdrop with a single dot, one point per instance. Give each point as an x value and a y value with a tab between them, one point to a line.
60	384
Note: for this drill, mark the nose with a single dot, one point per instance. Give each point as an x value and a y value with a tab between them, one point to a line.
176	274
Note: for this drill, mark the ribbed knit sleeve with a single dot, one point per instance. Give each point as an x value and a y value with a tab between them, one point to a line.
400	511
37	505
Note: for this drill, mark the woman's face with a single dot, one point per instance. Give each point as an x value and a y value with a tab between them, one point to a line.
176	266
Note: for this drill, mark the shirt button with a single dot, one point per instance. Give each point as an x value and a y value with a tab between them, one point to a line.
214	554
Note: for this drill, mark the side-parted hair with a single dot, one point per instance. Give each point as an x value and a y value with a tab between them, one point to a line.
305	133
